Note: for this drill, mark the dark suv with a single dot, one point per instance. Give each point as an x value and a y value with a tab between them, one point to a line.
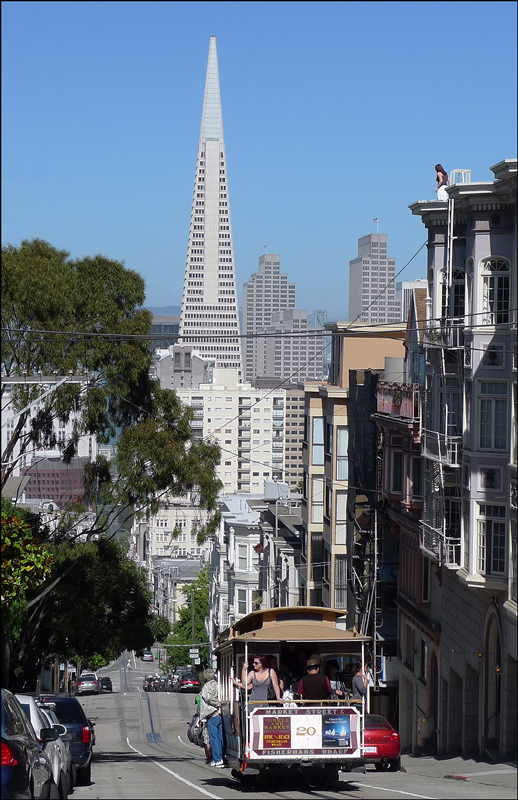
70	713
105	684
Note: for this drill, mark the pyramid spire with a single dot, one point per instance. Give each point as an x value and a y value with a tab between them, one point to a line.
209	319
211	119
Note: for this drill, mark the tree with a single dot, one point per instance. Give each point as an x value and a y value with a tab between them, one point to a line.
196	609
25	563
160	627
85	316
99	608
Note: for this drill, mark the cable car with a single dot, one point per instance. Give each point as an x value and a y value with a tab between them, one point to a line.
272	740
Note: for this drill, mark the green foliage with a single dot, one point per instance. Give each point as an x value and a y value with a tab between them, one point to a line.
51	307
25	561
62	316
160	627
197	595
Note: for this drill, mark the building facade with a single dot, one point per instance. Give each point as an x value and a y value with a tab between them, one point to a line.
371	282
468	528
327	546
209	318
247	423
404	294
289	351
267	292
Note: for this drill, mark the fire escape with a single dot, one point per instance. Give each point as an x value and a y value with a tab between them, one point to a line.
443	402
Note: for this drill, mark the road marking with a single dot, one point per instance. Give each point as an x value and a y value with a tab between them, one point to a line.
396	791
174	774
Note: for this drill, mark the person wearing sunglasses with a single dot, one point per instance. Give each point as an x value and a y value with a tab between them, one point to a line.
259	680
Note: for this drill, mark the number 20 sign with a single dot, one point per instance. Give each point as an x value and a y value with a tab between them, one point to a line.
306	735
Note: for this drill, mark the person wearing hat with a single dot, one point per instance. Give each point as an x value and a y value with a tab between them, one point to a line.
314	686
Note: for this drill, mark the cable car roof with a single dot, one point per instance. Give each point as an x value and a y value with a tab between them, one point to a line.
292	624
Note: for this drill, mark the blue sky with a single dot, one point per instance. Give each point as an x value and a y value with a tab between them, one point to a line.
333	114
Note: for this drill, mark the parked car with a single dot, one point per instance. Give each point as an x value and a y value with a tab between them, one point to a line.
178	672
382	744
54	750
188	682
105	684
71	714
64	738
26	770
88	683
147	655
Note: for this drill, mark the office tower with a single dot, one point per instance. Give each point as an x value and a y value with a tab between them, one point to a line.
209	315
404	291
267	291
371	296
288	351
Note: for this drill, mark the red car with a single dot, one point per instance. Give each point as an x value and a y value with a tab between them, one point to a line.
382	744
189	683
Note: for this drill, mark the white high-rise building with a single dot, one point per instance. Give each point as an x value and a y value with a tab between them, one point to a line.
404	292
209	315
371	282
266	292
247	423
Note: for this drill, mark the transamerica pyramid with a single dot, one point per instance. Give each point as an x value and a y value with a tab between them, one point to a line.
209	318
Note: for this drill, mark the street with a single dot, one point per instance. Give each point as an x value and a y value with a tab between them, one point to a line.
142	751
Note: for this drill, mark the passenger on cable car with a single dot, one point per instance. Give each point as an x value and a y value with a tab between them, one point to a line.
314	686
337	685
359	682
258	681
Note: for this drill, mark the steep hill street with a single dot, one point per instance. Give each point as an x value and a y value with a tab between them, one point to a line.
142	751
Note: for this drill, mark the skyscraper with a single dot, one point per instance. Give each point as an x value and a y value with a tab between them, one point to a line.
209	315
267	291
371	295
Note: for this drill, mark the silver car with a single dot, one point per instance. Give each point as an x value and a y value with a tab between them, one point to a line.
88	683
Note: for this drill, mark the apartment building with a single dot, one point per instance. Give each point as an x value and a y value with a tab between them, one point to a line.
416	590
63	431
468	531
247	423
327	545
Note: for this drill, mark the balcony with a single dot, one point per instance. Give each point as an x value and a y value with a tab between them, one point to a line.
436	544
399	400
442	448
449	335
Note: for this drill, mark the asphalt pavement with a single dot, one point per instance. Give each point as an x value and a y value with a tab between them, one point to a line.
469	770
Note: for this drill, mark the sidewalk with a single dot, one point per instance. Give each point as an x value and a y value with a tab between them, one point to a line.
463	769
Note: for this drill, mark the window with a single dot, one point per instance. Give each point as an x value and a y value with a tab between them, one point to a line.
341	518
241	602
491	540
425	583
396	473
424	660
342	447
242	557
495	290
317	456
317	499
416	477
493	415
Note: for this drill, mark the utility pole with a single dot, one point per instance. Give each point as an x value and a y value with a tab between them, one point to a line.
193	640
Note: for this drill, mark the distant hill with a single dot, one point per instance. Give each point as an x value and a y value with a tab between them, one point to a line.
159	311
